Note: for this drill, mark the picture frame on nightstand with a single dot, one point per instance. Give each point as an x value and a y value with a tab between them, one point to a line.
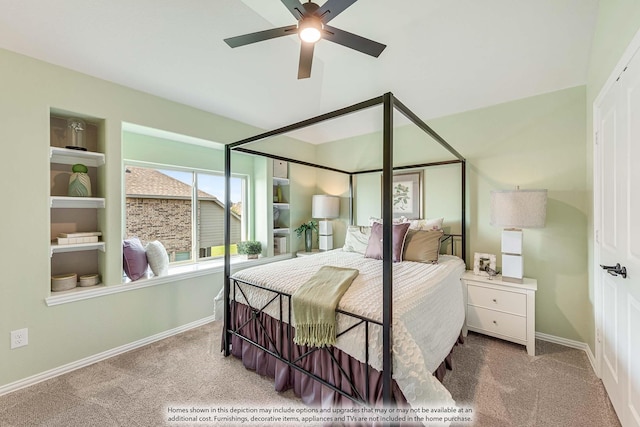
481	261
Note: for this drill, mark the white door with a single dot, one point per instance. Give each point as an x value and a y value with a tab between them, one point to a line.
618	241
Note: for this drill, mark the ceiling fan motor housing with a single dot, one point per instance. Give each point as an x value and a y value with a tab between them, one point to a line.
310	8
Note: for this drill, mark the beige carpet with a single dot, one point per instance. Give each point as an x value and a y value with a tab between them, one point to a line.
504	385
507	387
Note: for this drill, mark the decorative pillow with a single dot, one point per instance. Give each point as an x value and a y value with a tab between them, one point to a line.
374	247
398	220
158	258
134	258
422	245
357	239
426	224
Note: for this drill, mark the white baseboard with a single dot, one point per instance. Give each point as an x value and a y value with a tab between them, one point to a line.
570	343
43	376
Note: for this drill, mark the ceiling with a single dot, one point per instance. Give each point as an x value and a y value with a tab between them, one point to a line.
442	56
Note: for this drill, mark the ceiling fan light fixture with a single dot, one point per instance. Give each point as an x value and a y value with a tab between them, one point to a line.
310	30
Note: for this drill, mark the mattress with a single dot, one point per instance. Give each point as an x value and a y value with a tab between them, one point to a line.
428	312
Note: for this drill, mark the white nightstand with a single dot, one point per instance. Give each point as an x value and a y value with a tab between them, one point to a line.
313	252
501	309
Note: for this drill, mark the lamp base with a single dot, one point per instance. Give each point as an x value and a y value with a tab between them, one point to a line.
325	242
512	264
325	235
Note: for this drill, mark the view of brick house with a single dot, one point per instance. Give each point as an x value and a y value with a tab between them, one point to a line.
159	208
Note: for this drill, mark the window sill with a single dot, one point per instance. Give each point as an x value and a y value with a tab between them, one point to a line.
177	273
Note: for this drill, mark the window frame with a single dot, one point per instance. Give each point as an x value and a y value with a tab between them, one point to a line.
195	250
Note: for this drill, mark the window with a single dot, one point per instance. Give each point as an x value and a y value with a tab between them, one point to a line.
183	209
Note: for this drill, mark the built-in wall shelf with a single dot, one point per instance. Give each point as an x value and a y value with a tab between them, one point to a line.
75	214
67	156
56	249
280	231
77	202
281	205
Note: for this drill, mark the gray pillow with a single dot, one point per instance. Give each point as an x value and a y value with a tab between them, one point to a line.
158	258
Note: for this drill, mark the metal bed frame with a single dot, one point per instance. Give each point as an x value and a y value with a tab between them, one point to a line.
286	339
389	103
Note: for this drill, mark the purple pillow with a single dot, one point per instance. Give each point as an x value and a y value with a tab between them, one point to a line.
134	258
374	247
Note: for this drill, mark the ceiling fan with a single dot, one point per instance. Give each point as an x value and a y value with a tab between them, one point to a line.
311	27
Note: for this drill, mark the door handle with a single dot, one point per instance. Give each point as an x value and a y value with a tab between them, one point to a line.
615	270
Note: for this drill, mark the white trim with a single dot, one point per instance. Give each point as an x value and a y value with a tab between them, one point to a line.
176	274
570	343
52	373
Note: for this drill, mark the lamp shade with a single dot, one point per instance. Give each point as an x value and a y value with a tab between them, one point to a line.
323	206
519	208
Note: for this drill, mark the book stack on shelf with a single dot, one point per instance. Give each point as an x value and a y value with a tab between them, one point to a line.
80	237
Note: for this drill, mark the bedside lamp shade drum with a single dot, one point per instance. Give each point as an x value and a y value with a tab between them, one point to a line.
325	207
519	208
514	210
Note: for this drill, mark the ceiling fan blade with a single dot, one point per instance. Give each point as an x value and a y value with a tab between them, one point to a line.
352	41
261	36
333	8
306	58
294	6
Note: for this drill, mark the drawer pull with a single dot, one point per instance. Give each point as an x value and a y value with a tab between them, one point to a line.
494	300
495	323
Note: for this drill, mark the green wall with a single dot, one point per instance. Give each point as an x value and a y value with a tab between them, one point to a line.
65	333
537	142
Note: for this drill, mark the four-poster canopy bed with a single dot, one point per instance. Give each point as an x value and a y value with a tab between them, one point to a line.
257	319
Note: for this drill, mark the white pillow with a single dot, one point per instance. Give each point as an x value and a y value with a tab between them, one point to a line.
416	224
399	220
158	258
426	224
357	239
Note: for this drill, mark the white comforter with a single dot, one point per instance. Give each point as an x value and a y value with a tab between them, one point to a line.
428	313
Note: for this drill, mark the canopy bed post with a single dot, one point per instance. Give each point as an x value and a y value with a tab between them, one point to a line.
387	243
351	199
422	125
463	222
227	247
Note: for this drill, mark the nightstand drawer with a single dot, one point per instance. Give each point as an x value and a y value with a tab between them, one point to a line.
496	322
495	299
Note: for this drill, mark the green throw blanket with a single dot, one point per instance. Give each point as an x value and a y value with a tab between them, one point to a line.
315	302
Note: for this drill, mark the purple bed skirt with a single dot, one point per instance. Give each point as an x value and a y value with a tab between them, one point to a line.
310	391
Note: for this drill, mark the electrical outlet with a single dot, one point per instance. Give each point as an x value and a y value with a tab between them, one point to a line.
19	338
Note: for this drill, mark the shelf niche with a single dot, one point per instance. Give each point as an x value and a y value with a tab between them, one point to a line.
74	214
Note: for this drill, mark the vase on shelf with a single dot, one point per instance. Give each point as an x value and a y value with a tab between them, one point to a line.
75	134
79	182
308	239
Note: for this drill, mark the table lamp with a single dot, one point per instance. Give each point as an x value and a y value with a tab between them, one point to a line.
514	210
325	207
